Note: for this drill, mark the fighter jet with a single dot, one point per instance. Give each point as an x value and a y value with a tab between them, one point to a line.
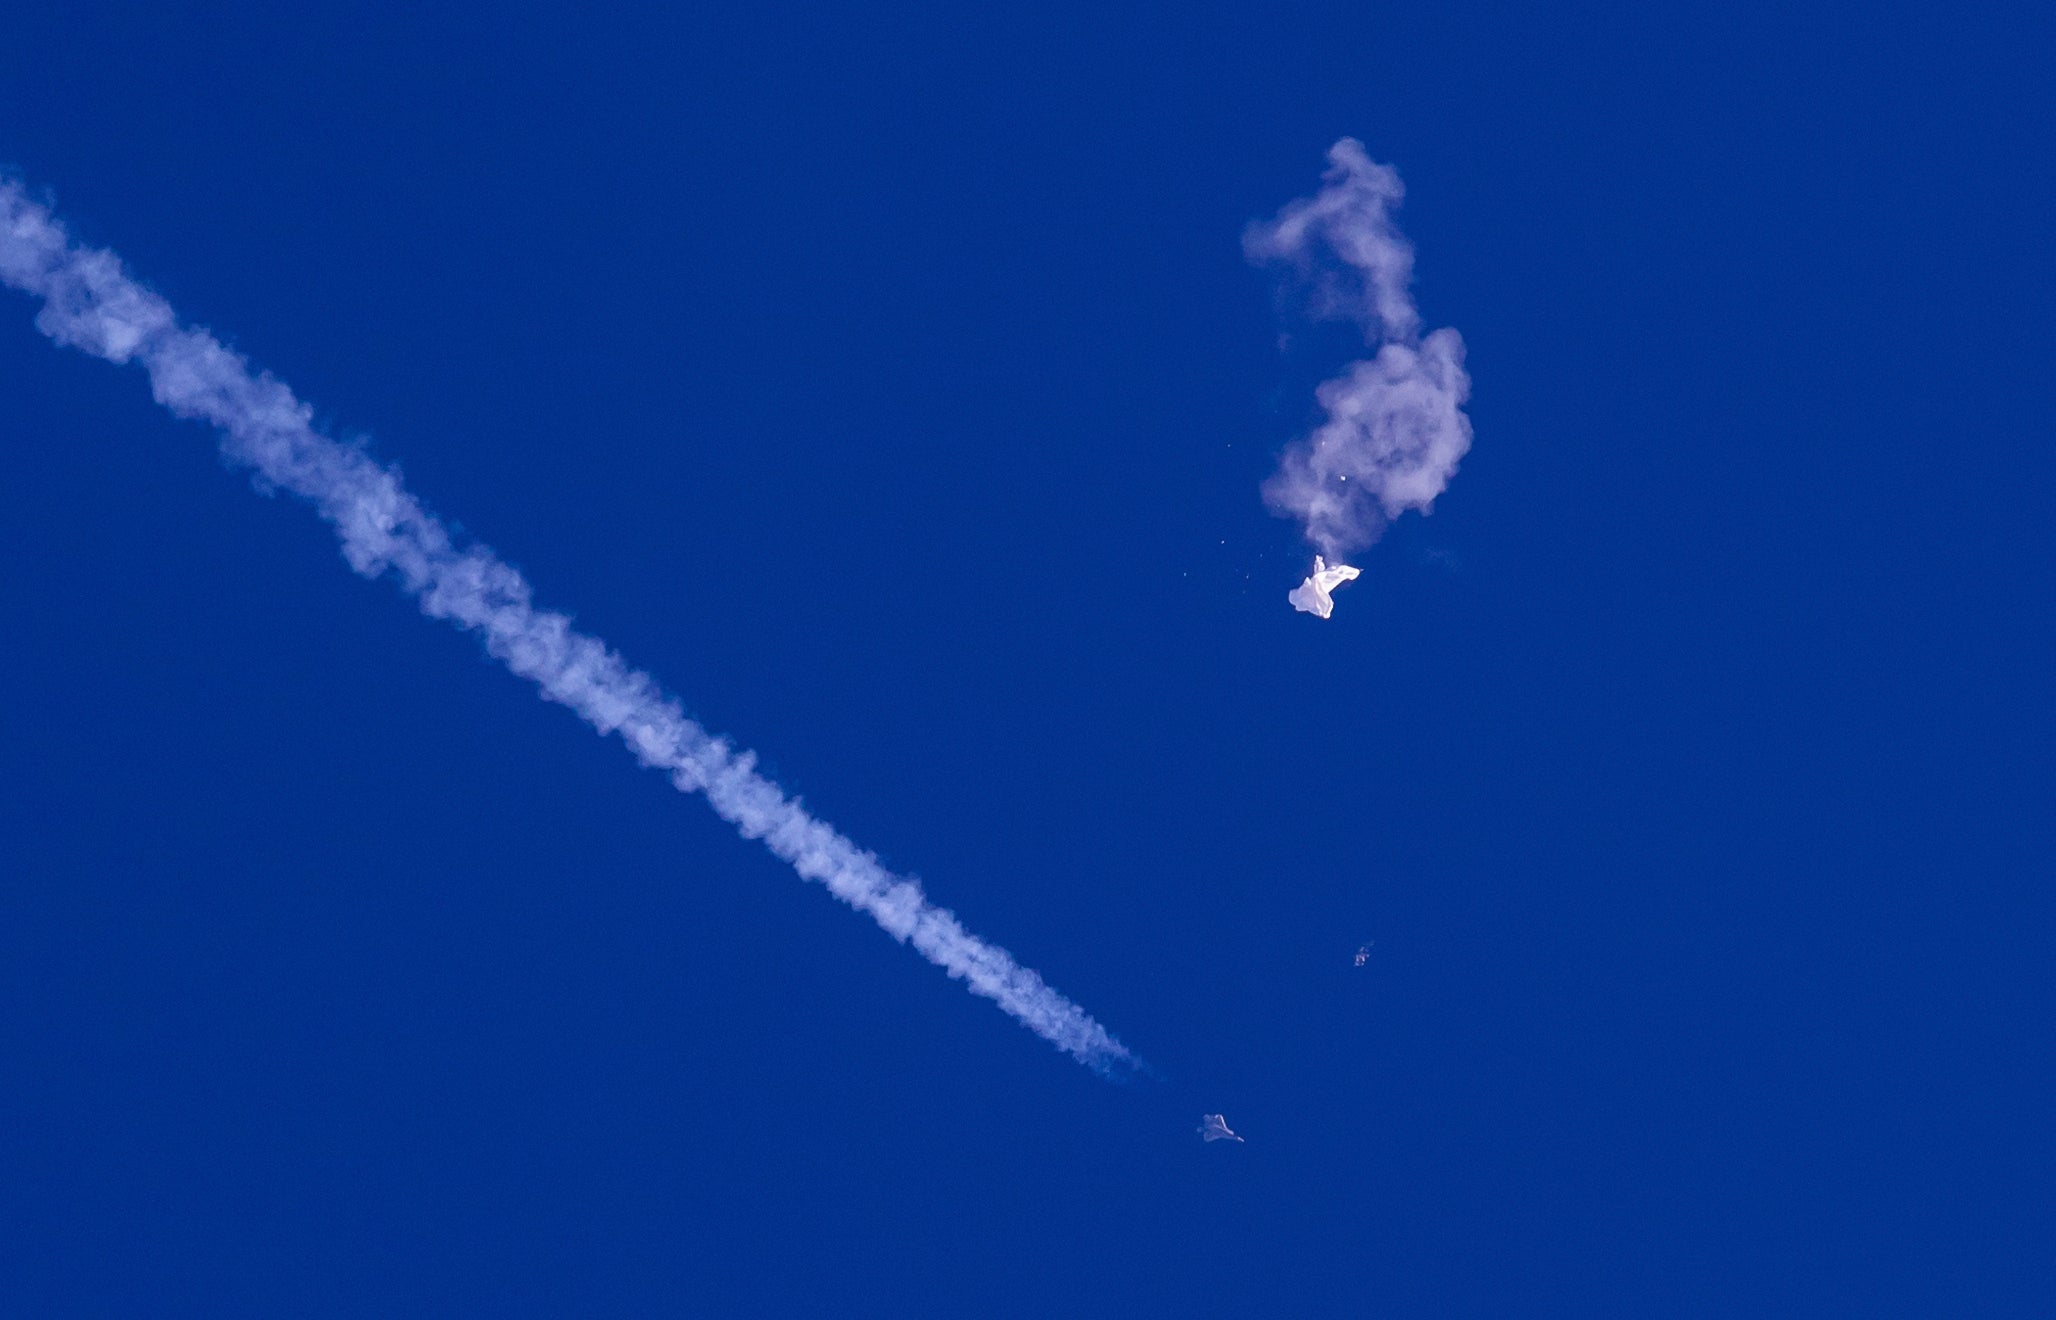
1311	596
1212	1127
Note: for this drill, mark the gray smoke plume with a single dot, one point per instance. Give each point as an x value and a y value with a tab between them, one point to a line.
1395	428
91	303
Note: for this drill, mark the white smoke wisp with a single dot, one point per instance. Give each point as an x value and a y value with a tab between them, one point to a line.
91	303
1394	429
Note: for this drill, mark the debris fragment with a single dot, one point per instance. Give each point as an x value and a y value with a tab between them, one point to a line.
1311	596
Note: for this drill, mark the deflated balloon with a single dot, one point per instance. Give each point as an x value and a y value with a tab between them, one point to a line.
1311	596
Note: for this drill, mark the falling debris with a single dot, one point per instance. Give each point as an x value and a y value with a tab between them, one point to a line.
1363	954
1212	1127
1311	596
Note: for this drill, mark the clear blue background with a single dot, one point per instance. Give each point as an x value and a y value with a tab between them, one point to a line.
891	385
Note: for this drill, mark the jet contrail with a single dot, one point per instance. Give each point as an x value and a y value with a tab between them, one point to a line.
91	303
1395	428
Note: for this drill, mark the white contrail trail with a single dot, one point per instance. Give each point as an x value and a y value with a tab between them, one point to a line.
91	303
1395	428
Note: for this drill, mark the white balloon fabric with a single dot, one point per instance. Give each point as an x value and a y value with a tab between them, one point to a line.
1311	596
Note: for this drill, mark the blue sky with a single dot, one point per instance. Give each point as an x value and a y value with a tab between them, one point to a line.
893	387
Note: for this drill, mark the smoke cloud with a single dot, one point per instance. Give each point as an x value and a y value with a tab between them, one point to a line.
91	303
1394	429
